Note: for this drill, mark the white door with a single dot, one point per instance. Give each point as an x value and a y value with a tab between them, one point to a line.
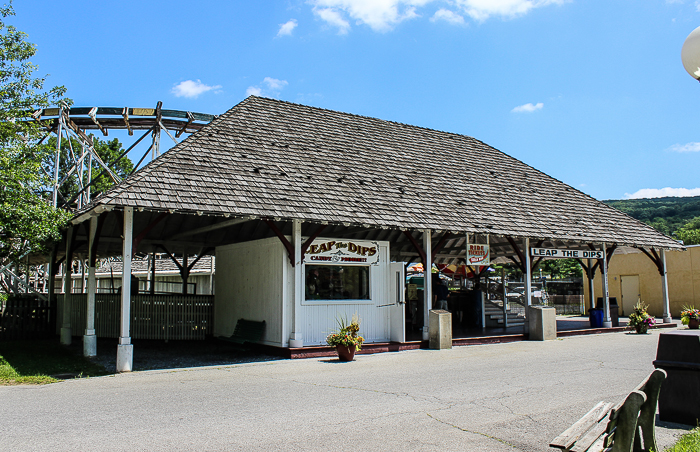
630	293
397	312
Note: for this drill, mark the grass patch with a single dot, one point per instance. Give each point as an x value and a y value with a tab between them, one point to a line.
36	362
690	442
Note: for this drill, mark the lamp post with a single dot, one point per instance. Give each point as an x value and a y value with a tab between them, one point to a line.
690	54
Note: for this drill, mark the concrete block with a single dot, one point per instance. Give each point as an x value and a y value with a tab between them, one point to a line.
440	331
125	357
542	323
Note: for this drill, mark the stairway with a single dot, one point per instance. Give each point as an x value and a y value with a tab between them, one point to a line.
494	315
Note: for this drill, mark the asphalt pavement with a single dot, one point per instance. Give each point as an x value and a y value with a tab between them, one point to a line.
504	397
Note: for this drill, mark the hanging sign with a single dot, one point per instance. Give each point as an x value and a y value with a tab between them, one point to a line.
342	252
565	254
478	254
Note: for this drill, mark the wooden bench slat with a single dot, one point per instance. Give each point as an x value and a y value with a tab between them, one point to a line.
587	440
573	433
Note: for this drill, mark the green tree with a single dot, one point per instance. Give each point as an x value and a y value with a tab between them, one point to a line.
561	268
690	232
27	220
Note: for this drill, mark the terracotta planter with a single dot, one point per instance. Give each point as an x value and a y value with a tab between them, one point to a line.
641	328
694	324
345	353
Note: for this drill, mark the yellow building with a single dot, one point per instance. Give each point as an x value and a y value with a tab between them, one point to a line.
634	276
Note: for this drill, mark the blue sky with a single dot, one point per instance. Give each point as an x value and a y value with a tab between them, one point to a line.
591	92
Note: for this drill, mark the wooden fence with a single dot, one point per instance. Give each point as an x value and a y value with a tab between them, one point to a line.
165	317
25	317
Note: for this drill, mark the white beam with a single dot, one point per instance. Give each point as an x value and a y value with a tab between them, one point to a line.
607	321
89	339
528	284
296	337
125	350
66	332
664	288
427	281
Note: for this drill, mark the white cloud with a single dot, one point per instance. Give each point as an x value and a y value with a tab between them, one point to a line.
272	88
274	83
663	192
688	147
528	108
380	15
191	88
287	28
448	16
384	15
333	18
483	9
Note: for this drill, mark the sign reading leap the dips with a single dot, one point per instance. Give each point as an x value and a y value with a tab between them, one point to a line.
566	254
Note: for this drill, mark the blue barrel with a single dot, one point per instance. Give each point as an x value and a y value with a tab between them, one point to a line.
595	316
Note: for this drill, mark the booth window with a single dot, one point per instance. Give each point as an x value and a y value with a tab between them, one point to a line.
337	282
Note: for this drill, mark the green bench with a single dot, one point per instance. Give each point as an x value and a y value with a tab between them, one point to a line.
628	426
246	331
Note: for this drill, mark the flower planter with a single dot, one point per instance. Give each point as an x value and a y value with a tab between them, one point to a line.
641	328
694	324
345	353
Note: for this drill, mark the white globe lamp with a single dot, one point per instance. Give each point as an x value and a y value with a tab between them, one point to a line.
690	54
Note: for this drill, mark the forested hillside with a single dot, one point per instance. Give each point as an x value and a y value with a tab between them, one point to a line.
676	217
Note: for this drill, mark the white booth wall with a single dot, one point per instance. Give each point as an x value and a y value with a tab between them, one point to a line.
255	281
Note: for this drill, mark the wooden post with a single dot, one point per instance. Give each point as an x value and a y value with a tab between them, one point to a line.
528	285
211	274
505	297
296	337
153	274
184	272
591	284
66	332
607	321
427	281
125	350
89	339
664	288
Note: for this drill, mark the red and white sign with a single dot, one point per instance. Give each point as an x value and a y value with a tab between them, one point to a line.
342	252
478	254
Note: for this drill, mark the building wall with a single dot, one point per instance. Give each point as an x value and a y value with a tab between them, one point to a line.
683	269
255	281
250	283
319	319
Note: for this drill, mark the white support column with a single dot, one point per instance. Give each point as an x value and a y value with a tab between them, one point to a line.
296	338
591	284
427	281
528	284
607	321
125	350
664	288
66	332
89	339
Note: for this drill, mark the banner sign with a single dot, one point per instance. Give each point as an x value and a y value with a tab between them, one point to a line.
565	254
478	254
342	252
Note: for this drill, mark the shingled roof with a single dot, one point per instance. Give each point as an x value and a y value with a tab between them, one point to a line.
266	158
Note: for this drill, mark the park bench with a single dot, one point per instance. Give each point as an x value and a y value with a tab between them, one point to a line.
246	331
625	427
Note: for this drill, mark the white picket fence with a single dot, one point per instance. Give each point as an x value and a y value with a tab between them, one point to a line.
165	317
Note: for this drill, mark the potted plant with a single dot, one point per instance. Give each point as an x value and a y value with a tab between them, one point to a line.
346	340
691	317
640	320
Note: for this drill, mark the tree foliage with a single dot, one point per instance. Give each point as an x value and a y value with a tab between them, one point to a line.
27	220
676	217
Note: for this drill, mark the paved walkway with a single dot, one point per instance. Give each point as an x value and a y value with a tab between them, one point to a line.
506	397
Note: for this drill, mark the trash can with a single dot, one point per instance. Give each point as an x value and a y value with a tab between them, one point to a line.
678	353
614	310
595	316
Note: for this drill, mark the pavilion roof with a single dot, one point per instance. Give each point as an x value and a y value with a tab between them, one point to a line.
266	158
